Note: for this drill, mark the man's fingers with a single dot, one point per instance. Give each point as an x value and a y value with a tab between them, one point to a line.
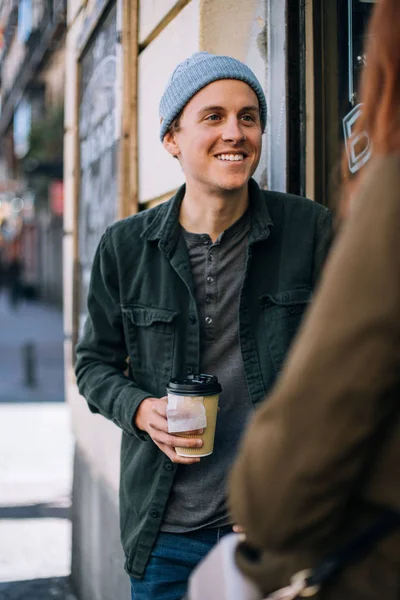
175	458
149	413
173	440
160	406
157	422
166	442
158	431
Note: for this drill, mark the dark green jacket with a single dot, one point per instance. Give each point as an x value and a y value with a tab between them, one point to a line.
141	305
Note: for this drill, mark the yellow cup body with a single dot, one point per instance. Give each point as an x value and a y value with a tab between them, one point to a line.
211	406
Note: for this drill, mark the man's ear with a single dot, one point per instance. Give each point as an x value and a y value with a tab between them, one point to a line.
170	144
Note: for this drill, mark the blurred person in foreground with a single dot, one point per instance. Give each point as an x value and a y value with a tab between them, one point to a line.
320	461
215	280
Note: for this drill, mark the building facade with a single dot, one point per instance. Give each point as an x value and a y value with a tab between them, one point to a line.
32	57
119	54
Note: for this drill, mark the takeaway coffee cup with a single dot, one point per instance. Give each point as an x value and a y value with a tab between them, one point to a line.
192	405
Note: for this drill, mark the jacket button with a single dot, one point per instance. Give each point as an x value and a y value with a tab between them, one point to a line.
168	466
154	513
192	319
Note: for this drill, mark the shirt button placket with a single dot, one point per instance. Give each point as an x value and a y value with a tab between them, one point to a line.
210	286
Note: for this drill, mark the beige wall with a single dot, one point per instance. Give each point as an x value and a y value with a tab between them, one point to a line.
159	173
151	13
223	15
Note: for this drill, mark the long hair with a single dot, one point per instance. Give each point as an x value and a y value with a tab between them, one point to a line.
379	87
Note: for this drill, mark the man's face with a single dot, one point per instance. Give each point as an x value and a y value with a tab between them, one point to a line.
218	140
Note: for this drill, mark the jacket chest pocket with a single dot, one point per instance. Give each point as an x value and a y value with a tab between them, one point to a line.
150	338
282	314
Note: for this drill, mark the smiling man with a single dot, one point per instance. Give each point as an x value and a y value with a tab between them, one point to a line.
216	280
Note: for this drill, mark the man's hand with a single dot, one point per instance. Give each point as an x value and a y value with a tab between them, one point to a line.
151	417
238	529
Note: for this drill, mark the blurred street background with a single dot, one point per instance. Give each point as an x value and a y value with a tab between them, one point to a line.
36	455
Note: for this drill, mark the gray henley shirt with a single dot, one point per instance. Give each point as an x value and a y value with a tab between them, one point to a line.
198	496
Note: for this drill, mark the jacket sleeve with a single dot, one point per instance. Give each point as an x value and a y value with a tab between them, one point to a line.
102	353
305	450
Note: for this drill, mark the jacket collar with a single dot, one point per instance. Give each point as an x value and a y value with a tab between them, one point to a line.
261	221
165	226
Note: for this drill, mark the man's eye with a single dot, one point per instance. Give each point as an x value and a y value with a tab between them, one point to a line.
213	117
248	118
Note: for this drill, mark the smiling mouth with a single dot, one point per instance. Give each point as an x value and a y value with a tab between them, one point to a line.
231	157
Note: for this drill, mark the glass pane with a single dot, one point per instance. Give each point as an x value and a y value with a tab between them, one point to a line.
359	12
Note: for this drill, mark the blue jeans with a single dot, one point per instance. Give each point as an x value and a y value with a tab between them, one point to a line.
172	560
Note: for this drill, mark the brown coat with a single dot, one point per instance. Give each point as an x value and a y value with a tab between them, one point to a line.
321	457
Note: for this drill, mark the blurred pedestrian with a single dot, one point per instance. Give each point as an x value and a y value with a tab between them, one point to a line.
215	280
14	280
319	465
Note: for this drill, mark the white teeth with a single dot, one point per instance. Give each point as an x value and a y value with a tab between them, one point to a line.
233	157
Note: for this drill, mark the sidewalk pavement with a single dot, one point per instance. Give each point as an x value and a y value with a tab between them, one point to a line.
41	326
36	450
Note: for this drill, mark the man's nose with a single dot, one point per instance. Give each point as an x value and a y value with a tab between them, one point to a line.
233	131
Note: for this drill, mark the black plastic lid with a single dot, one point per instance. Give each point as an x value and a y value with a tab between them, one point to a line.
195	385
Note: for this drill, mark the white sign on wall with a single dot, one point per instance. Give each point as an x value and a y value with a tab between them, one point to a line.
358	145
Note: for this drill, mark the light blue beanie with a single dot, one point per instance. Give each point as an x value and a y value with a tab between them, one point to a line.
197	71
